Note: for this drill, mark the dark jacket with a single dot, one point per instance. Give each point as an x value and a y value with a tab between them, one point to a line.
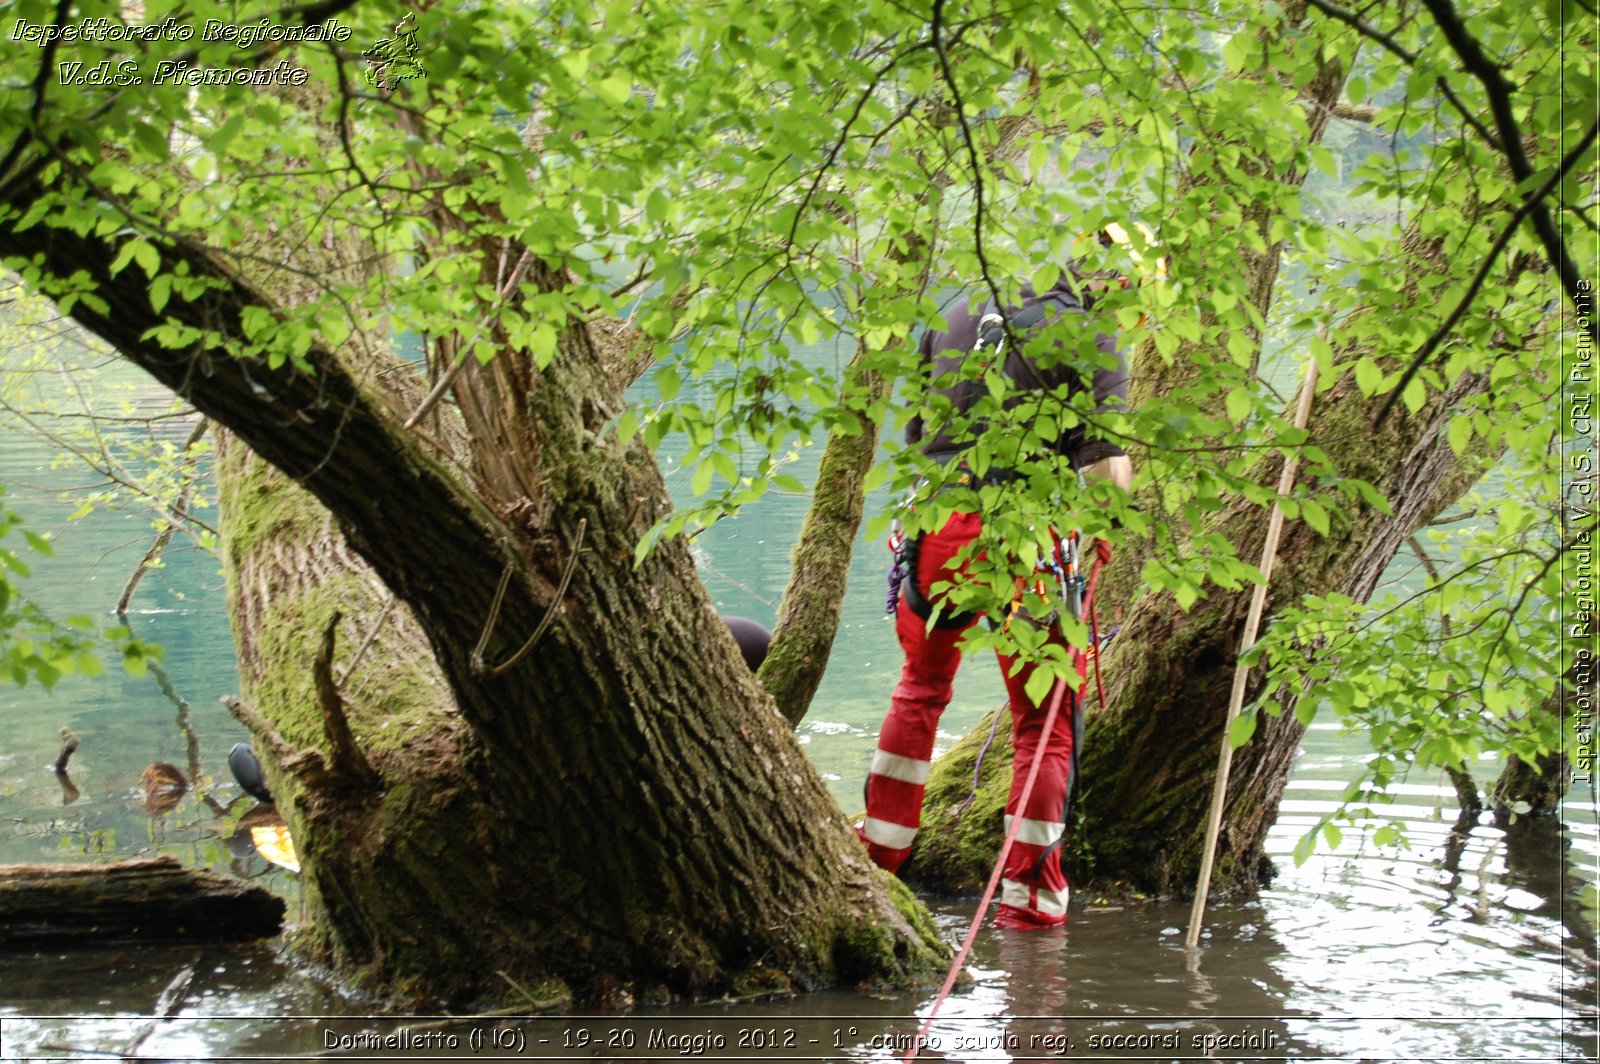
943	353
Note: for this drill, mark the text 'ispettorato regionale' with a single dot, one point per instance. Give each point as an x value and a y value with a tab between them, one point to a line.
131	71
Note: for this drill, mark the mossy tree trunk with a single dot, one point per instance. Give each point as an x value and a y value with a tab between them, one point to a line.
621	807
808	618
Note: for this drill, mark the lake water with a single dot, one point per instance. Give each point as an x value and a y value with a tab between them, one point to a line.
1462	948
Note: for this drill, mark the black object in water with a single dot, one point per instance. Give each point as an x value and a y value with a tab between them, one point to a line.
247	770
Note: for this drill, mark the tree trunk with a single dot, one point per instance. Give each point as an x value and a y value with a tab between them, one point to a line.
1234	203
654	822
155	900
1530	790
808	618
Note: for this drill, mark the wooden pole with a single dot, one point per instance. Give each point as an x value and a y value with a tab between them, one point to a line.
1241	674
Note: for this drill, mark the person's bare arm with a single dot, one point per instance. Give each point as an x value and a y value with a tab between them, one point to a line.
1118	469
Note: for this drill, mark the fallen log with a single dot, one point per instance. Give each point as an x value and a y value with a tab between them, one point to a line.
153	900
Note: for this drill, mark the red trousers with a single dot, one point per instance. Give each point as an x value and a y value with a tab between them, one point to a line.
1033	890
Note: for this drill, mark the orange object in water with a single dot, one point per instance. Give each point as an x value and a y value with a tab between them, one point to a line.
160	787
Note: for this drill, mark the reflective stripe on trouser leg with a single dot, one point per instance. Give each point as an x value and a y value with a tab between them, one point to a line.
1040	833
1032	880
1046	906
905	743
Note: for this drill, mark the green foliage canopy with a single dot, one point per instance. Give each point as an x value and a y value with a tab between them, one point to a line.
728	179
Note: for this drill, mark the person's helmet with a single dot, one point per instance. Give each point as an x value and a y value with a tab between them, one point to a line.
1150	265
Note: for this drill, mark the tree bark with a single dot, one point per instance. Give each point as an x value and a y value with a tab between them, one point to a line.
153	900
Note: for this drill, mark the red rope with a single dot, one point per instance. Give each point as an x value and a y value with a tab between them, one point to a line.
1011	834
1094	629
994	881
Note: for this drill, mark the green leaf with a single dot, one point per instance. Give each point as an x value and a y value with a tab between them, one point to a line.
160	292
39	543
134	661
1241	730
576	63
148	258
656	206
154	142
1186	595
1369	377
124	256
1305	848
1039	686
1415	395
1315	515
1240	403
668	382
225	133
542	344
614	90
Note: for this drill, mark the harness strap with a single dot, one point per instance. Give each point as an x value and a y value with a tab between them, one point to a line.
919	603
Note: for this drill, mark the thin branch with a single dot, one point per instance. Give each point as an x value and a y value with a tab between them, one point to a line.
371	637
1351	112
844	131
40	81
450	375
1527	589
261	729
111	471
346	762
180	512
169	1004
1372	33
1529	204
972	153
1499	91
479	665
